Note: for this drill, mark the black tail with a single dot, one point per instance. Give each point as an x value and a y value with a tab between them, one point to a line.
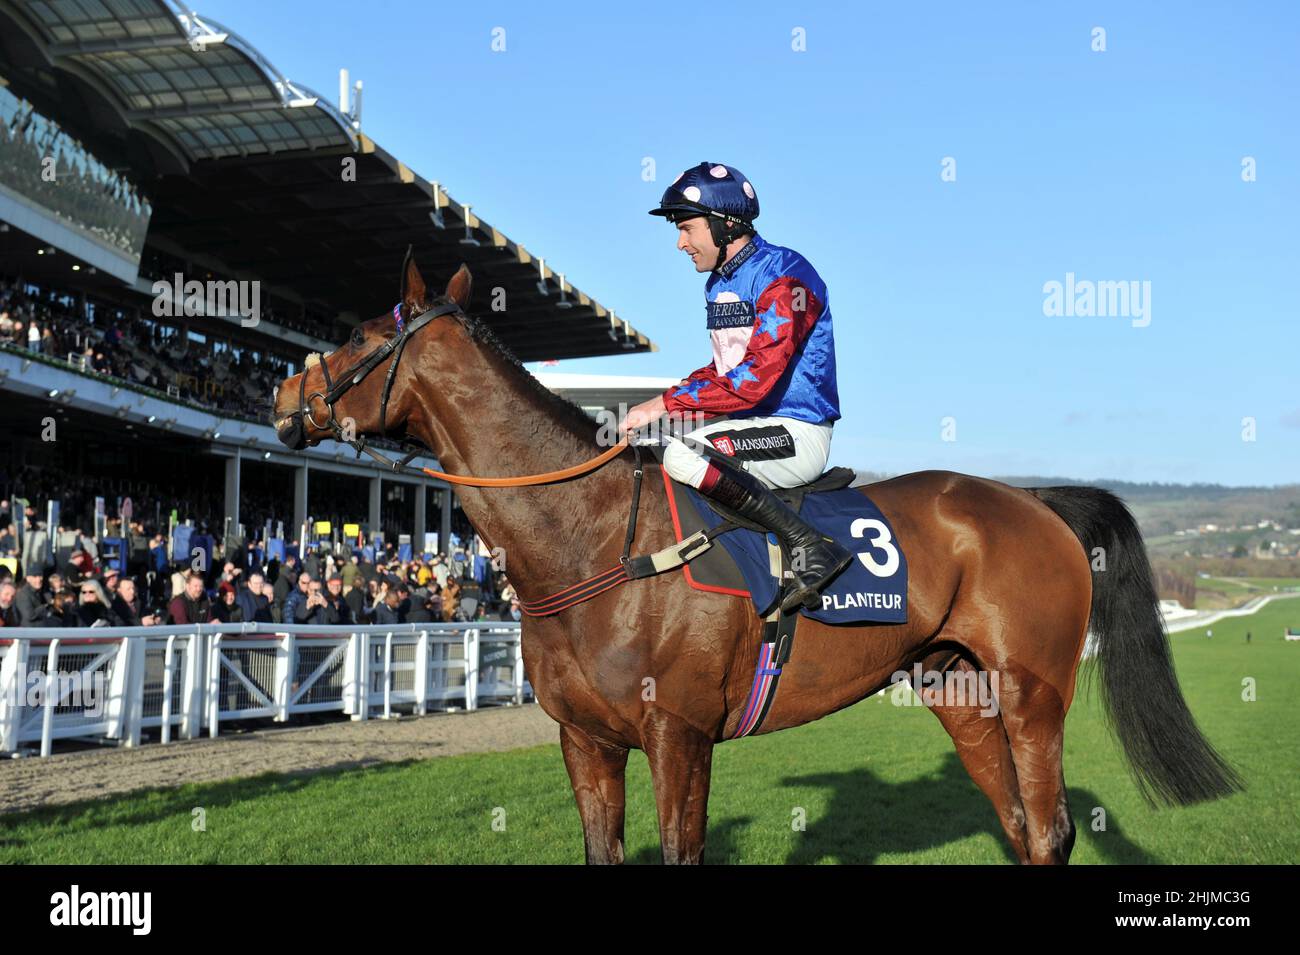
1170	758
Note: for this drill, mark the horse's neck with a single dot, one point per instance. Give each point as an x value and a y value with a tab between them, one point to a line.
488	421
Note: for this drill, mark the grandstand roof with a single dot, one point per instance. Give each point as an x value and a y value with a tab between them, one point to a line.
242	167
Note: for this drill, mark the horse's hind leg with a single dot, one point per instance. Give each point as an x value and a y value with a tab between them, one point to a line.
981	742
596	770
1034	716
681	760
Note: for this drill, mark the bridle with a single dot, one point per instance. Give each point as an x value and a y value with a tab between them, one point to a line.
406	330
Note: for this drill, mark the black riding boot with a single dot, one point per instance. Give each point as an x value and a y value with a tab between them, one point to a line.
823	557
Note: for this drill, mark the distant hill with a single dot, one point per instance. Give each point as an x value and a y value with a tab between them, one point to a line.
1176	519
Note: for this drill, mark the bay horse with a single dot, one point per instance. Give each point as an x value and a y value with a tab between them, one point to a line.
1002	579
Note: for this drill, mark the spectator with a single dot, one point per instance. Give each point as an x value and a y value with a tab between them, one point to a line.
422	608
111	578
360	599
305	605
349	573
93	609
180	574
451	599
440	570
29	602
8	613
337	609
253	599
285	585
63	609
126	606
192	604
227	608
311	564
386	609
158	555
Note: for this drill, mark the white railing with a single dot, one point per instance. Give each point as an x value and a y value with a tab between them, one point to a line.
112	683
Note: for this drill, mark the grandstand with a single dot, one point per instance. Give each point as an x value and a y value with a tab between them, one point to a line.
142	142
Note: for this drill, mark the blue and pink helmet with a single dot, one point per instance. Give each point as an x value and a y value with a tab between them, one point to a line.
718	192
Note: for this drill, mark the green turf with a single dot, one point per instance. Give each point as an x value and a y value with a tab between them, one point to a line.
876	783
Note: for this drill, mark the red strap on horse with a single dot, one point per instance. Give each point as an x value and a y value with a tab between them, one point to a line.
576	594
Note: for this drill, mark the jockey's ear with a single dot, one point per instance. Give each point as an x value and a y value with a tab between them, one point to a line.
413	290
458	288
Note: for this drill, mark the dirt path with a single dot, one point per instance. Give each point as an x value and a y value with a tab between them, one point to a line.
32	782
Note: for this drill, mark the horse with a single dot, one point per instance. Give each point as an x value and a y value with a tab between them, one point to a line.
1003	580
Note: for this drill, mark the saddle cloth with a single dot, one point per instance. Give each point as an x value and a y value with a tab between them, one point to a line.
872	589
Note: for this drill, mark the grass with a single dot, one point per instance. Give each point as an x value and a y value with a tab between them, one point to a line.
875	783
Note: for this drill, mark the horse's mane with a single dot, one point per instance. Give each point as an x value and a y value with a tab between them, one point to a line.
568	412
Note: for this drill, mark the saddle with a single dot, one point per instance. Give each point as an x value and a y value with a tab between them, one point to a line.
753	562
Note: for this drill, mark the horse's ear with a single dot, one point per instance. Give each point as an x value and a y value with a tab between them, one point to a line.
413	290
458	288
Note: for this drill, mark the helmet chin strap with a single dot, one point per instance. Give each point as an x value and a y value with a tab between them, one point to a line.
724	232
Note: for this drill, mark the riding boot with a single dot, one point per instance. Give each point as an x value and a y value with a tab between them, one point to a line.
822	557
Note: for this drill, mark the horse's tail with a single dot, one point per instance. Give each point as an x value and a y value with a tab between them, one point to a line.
1169	757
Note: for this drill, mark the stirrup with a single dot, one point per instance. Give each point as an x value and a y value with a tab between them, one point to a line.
808	595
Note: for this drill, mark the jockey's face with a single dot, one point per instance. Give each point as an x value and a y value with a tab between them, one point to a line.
695	239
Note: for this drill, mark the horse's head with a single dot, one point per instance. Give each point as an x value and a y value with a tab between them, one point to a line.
359	389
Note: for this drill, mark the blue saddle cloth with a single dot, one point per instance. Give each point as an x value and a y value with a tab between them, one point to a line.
872	589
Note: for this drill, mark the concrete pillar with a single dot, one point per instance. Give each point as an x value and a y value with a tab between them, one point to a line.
444	527
299	502
421	517
376	496
232	493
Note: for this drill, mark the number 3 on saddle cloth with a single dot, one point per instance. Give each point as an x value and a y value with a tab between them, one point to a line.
872	589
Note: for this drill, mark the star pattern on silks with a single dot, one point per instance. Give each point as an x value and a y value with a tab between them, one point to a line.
769	323
692	389
741	374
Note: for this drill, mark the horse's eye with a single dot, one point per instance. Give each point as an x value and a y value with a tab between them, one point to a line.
358	338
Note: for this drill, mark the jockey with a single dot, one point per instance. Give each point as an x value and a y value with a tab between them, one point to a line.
771	383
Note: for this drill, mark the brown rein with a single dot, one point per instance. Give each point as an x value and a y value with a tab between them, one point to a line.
546	477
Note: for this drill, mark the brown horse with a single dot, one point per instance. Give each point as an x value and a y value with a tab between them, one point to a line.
1002	580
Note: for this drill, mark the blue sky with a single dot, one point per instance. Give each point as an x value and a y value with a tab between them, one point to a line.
1123	165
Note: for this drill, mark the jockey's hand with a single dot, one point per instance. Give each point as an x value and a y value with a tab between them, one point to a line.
643	414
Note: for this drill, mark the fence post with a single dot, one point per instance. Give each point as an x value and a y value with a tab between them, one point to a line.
360	659
50	699
214	686
136	650
422	673
285	667
196	654
471	669
518	675
388	675
13	693
119	689
169	659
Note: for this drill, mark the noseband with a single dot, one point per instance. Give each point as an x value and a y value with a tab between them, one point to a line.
355	375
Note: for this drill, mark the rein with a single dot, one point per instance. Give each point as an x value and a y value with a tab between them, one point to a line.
626	569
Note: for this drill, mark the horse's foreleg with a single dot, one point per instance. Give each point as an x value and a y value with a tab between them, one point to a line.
596	770
680	758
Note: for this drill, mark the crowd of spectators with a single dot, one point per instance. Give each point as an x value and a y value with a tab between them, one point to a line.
130	345
326	588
